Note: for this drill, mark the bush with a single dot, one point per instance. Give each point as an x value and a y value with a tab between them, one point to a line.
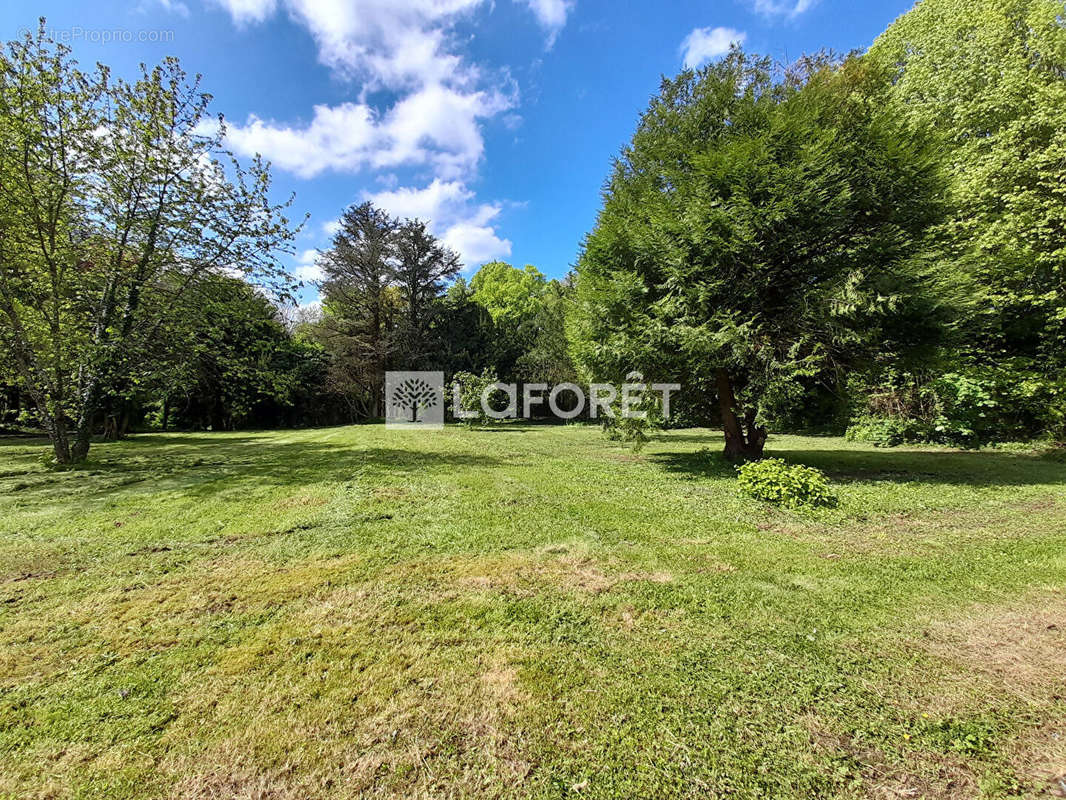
975	408
891	431
790	485
471	387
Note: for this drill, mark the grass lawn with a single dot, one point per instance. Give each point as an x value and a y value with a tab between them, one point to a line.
526	612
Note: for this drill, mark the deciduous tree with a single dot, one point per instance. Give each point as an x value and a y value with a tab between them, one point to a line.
114	200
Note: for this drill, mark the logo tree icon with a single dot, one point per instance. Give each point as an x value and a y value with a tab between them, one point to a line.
415	395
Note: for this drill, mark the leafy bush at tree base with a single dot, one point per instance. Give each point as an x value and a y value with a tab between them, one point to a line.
790	485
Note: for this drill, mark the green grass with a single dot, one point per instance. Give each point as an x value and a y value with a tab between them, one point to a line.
526	612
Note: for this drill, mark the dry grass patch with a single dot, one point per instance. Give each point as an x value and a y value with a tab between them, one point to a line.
1021	649
570	568
300	501
412	720
1040	755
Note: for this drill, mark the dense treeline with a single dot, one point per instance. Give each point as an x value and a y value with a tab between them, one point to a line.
876	241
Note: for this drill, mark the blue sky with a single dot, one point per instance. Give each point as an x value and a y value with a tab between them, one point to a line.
494	119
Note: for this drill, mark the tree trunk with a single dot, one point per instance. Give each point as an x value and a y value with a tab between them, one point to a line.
83	430
166	412
82	438
57	432
741	443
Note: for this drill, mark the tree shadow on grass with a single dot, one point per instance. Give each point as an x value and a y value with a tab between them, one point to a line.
24	440
948	467
695	464
226	464
709	437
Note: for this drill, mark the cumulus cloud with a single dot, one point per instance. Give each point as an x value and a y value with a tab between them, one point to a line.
705	44
441	99
783	8
247	11
390	43
306	268
453	215
436	126
170	6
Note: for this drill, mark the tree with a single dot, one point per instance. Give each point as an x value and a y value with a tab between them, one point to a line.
507	291
359	304
513	297
113	203
990	76
547	359
382	289
238	361
424	266
462	331
760	227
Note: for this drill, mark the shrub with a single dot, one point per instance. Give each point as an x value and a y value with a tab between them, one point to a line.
790	485
471	387
975	408
890	431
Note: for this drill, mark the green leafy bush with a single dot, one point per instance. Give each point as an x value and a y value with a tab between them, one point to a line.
790	485
975	408
890	431
471	387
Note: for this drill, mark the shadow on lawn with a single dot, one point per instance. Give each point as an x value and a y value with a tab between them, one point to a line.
695	464
24	440
214	465
981	468
985	468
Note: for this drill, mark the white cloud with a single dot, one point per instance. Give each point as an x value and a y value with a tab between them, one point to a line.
551	14
478	244
783	8
412	50
389	43
436	126
306	267
170	6
246	11
705	44
452	214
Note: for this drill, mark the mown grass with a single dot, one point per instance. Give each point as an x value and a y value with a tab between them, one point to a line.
526	612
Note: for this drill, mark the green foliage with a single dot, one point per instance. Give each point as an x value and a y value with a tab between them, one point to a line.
239	359
890	431
116	198
471	389
463	330
773	480
964	409
990	76
528	312
507	292
762	228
